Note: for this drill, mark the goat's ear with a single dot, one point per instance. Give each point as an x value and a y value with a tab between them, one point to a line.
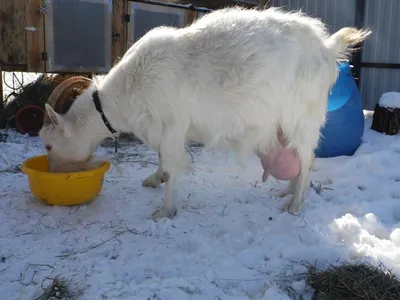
55	118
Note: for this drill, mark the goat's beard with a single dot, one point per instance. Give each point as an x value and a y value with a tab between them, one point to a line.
91	163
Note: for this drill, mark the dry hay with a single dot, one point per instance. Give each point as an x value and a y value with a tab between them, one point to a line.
34	93
124	140
13	169
354	282
59	288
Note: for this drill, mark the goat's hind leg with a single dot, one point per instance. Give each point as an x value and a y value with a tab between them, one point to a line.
300	184
287	190
158	177
290	188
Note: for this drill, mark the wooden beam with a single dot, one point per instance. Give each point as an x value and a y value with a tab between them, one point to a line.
1	95
379	65
190	16
35	39
119	29
12	32
14	68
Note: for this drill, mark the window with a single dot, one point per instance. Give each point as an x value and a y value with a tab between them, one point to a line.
78	35
145	17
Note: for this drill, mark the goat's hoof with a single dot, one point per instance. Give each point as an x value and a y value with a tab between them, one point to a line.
291	208
151	182
163	212
154	180
148	183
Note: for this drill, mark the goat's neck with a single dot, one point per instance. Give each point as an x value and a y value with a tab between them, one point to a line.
84	113
86	119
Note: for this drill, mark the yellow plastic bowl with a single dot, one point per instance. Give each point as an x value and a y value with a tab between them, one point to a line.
63	188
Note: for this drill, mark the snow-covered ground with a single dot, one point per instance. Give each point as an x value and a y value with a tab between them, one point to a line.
228	241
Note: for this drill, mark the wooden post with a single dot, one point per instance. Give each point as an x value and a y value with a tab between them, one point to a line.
119	28
190	16
359	23
386	120
1	98
12	33
35	39
1	92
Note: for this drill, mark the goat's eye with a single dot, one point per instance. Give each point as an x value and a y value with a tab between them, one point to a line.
48	147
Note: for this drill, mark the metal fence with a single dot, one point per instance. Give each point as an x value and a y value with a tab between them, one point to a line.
13	82
377	64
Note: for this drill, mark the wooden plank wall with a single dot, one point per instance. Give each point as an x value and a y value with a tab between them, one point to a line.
21	49
34	39
119	29
13	53
190	16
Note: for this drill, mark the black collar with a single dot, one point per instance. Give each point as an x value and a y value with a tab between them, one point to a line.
97	103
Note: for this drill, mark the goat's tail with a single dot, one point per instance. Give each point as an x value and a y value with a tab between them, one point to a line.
342	41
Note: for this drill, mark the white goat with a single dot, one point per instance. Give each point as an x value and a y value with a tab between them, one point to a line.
233	79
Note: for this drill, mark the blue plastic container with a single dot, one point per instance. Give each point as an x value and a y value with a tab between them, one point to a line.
344	127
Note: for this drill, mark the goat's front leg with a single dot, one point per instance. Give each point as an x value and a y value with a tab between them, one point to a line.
174	160
168	208
160	176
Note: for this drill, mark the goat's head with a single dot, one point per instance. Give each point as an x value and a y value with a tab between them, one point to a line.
66	150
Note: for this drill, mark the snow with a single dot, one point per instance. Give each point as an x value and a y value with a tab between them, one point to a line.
228	241
390	100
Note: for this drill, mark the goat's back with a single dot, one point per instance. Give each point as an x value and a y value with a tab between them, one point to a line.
234	76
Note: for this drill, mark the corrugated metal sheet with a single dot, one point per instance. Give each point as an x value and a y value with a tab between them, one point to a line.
375	82
383	46
335	13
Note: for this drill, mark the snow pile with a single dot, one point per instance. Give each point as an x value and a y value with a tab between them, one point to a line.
370	238
228	241
390	100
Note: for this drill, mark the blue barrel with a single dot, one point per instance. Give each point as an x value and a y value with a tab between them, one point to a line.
344	127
